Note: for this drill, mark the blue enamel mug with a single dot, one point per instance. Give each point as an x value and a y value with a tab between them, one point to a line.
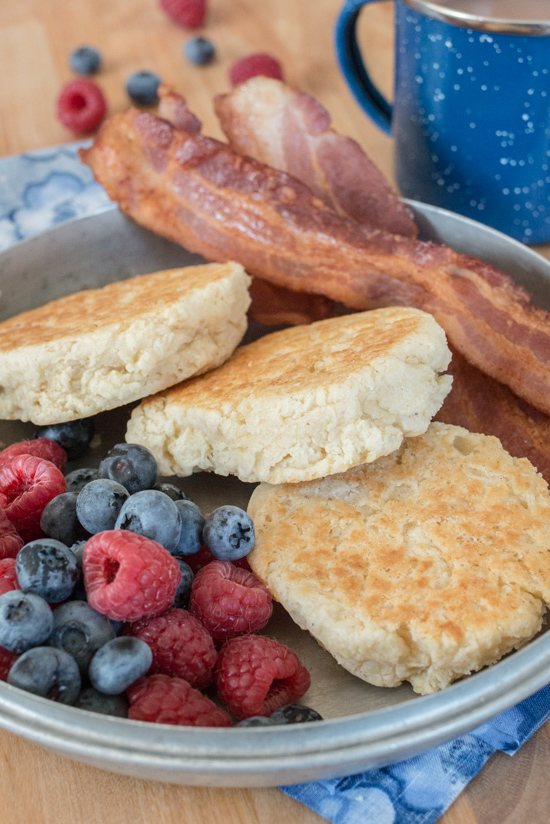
471	112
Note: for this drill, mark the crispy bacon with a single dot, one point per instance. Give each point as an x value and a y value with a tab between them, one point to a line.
275	305
200	193
481	404
173	108
270	304
290	130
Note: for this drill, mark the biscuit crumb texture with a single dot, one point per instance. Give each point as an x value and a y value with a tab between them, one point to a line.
425	566
102	348
305	402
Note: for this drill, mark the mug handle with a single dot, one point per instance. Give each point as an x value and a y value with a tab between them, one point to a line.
352	66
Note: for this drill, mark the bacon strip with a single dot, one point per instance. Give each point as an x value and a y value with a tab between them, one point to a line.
270	304
173	108
481	404
201	194
290	130
274	305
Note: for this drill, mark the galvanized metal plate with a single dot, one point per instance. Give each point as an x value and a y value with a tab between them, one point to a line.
366	726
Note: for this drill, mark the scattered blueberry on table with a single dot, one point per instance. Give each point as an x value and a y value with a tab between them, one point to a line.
142	88
85	60
199	51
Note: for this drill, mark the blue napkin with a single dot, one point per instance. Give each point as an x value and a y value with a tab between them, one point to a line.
420	789
39	190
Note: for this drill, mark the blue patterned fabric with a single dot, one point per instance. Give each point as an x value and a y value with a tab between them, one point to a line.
39	190
43	188
419	790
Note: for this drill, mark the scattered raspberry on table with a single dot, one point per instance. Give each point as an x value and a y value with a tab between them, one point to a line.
187	13
180	645
81	106
128	576
164	700
257	675
253	65
229	601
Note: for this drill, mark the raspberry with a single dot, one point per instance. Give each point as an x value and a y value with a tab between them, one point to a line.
180	644
204	557
8	577
81	105
10	540
29	483
165	700
257	675
7	658
187	13
254	64
128	576
229	601
39	447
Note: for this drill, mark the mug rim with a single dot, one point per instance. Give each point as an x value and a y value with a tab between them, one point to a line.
471	20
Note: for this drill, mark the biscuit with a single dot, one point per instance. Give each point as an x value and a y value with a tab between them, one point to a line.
425	566
304	402
102	348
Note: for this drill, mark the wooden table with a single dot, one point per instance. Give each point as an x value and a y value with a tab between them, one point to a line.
36	37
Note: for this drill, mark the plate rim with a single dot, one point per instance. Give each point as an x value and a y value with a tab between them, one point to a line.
348	740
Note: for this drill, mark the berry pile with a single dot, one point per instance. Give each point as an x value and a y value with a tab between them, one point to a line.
119	596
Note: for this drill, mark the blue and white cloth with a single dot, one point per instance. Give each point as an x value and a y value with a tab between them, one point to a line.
39	190
420	789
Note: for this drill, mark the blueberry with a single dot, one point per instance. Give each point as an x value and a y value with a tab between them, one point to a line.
142	88
199	51
94	701
49	672
153	514
119	663
131	465
59	519
192	525
79	592
78	479
26	620
256	721
47	568
73	436
172	491
99	504
183	592
78	550
229	533
116	625
81	631
294	714
85	60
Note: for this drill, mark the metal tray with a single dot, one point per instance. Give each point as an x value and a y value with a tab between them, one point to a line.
366	726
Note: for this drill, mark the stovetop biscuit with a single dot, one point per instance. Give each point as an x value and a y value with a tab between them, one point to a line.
102	348
425	566
304	402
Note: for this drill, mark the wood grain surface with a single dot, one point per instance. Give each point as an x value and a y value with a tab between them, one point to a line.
36	37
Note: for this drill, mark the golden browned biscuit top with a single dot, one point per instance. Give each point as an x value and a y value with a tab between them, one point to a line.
304	356
425	565
118	303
